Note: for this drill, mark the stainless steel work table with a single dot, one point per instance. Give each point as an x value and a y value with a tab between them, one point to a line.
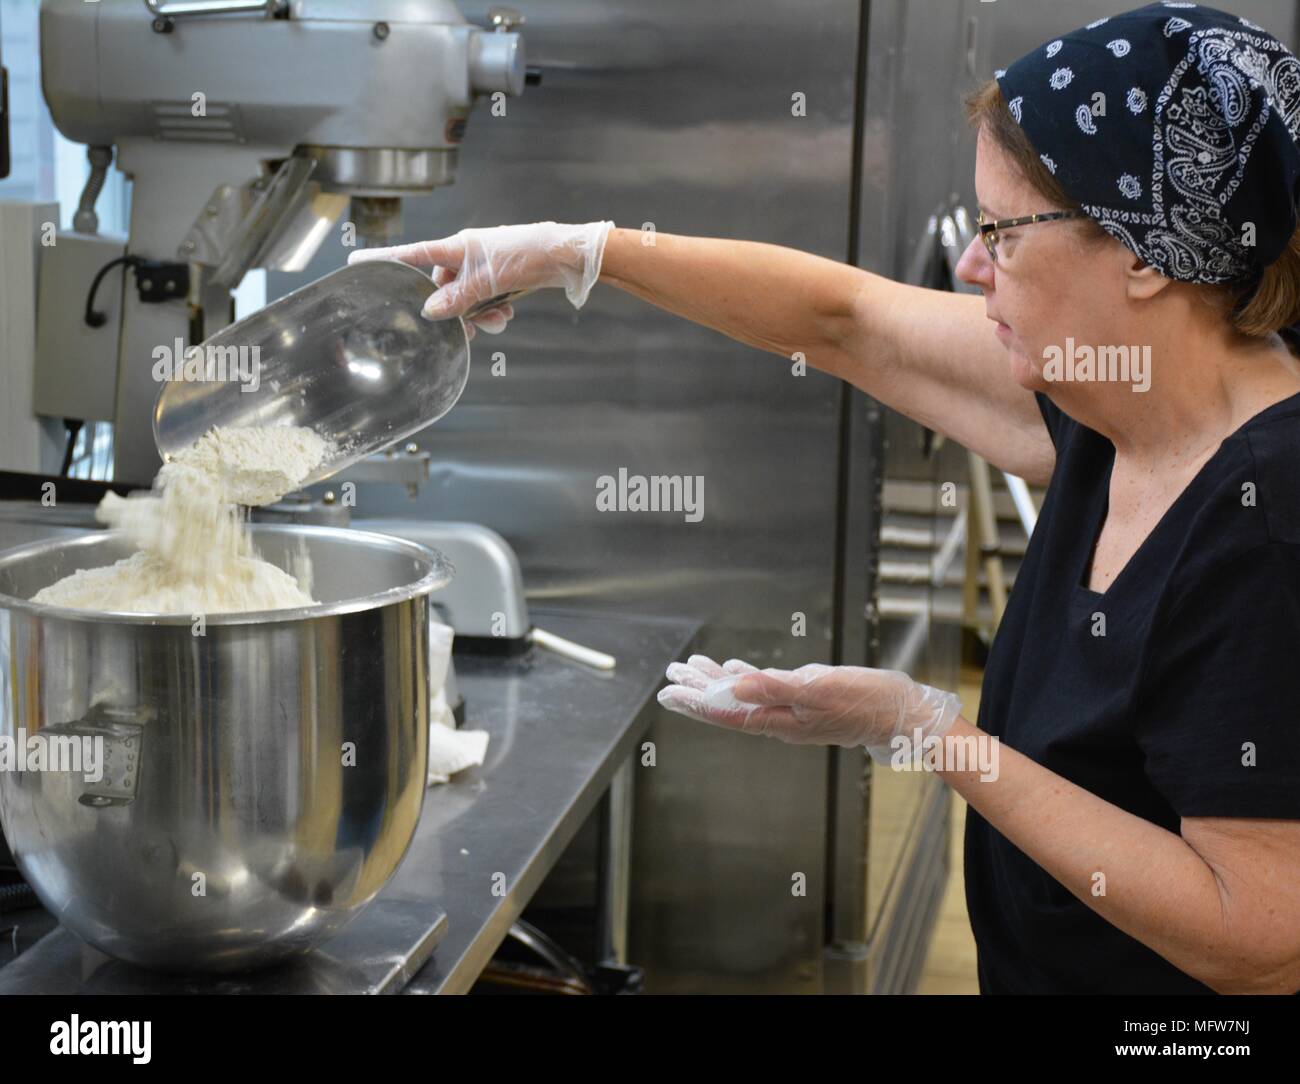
560	731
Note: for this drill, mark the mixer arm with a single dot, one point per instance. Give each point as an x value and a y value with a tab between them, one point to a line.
276	222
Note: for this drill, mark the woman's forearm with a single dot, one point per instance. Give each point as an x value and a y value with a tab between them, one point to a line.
774	298
1139	877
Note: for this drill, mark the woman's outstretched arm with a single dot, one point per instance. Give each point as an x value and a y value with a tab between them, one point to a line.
929	354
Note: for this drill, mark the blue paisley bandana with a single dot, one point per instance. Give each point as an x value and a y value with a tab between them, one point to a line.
1177	128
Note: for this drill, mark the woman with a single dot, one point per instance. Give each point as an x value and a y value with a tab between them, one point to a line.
1137	181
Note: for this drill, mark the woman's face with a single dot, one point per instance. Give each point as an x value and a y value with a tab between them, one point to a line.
1050	282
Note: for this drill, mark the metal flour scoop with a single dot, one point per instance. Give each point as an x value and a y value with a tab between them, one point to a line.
348	355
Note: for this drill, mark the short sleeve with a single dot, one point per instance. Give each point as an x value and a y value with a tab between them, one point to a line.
1055	417
1219	705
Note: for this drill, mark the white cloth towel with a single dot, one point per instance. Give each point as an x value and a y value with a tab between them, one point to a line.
450	750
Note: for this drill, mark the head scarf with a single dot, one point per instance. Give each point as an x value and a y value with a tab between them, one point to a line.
1175	127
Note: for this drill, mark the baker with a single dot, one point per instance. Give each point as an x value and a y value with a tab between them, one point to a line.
1137	183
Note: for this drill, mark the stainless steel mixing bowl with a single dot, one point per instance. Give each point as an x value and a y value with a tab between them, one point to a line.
263	780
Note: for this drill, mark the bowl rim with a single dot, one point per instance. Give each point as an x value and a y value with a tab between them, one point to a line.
438	574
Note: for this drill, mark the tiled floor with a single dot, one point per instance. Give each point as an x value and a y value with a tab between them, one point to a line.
950	965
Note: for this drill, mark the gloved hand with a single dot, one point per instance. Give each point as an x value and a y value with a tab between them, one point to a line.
813	705
477	264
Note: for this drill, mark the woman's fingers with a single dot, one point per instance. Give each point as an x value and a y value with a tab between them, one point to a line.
766	687
459	287
706	666
472	285
743	681
446	251
498	314
684	701
700	672
681	673
735	696
493	320
695	704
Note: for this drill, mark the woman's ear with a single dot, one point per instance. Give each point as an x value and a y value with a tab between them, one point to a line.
1144	281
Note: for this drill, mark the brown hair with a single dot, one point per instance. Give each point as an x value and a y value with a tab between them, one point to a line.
1274	305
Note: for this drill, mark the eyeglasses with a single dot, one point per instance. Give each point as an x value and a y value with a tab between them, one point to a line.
989	230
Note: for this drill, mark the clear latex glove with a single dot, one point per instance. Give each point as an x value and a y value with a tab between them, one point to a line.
477	264
813	705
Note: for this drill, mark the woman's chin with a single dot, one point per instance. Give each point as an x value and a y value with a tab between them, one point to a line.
1025	374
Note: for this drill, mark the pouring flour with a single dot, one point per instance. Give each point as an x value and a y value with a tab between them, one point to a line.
194	551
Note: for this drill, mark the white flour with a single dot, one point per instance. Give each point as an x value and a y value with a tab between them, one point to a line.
255	465
195	552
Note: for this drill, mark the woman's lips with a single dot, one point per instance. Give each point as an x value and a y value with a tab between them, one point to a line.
1002	331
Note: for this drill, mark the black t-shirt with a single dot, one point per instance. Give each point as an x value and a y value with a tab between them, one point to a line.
1200	656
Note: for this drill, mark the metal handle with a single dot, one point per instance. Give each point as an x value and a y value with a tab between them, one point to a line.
276	197
177	8
589	656
483	306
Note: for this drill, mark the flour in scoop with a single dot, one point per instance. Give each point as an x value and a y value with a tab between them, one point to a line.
255	465
194	551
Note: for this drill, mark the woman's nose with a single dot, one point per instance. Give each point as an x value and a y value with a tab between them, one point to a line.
975	268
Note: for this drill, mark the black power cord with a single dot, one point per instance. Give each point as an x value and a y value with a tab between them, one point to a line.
73	425
98	319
